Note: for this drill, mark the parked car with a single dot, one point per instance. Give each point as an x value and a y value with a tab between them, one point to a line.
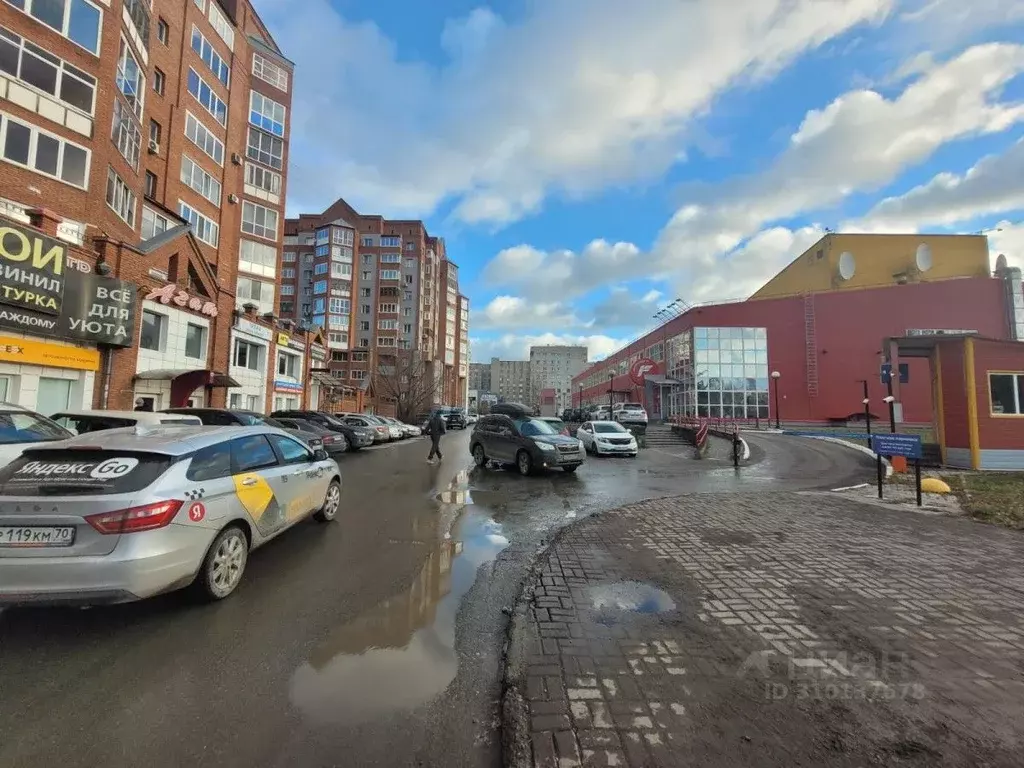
454	418
630	413
607	437
381	431
334	443
224	417
406	430
557	424
83	422
471	418
21	428
145	511
356	438
395	431
526	442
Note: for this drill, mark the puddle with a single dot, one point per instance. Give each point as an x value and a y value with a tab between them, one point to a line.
631	596
401	654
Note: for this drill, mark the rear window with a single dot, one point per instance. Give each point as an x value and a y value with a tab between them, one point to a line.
41	472
85	424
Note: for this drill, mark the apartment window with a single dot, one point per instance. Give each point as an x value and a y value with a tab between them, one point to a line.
358	375
150	189
320	287
391	242
385	341
323	250
79	21
310	240
365	292
131	81
288	256
408	279
338	338
126	134
410	246
1006	391
339	306
199	135
364	325
307	274
162	31
210	57
159	80
367	274
388	309
287	364
138	12
391	258
153	223
367	240
365	309
287	307
341	253
319	306
120	198
287	290
203	228
408	296
321	268
407	312
153	330
204	94
341	236
222	26
359	357
195	341
288	273
266	149
263	178
195	177
200	4
248	355
249	289
269	72
42	70
266	113
258	220
407	328
387	325
389	274
258	257
155	132
341	270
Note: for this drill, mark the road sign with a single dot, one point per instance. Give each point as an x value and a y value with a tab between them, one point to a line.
897	445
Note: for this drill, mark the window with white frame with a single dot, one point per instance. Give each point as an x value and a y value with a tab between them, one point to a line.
267	114
1006	393
259	291
40	69
337	338
288	256
269	72
342	236
205	95
359	375
80	21
388	309
152	331
385	341
120	198
131	78
390	242
200	135
288	273
387	325
202	182
126	133
266	149
259	258
210	57
287	364
263	178
320	269
203	228
341	253
195	341
248	355
339	306
259	220
391	258
153	223
221	25
389	274
287	290
341	270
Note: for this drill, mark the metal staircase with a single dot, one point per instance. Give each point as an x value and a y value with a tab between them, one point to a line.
811	344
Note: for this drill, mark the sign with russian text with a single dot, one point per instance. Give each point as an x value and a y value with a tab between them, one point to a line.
253	329
171	294
29	352
287	386
32	270
897	445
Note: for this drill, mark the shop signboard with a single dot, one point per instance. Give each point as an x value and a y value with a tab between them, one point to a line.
33	269
287	386
253	329
30	352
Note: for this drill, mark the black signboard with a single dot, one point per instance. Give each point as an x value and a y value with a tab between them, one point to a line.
93	308
33	269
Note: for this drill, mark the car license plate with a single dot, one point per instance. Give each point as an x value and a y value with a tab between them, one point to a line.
37	536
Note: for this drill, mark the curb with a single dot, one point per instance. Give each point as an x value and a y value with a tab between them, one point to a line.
863	449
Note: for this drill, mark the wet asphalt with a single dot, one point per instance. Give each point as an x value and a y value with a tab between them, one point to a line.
375	640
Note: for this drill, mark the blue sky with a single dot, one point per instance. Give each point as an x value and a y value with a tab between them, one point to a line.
587	165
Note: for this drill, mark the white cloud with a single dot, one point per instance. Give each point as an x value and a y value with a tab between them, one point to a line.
577	96
941	23
517	346
516	312
1008	238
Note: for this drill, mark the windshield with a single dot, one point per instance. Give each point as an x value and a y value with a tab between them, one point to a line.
534	427
85	424
254	420
270	421
609	428
27	427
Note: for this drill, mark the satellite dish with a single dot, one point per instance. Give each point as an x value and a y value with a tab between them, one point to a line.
1001	262
923	257
847	265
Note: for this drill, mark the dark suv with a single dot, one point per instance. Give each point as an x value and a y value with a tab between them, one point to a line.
528	443
454	418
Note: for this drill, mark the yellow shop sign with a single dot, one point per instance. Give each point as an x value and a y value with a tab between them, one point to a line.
283	339
28	352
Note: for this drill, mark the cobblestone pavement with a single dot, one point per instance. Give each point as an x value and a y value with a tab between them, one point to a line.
775	629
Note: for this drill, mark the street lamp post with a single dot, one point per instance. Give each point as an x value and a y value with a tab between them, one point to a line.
581	397
867	410
611	394
892	412
775	377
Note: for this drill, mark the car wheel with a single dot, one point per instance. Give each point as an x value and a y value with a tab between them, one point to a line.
345	445
571	468
524	463
479	457
224	564
332	501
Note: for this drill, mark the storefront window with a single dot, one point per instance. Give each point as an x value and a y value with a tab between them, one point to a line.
54	395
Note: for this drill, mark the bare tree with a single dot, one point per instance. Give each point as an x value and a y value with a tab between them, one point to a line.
406	378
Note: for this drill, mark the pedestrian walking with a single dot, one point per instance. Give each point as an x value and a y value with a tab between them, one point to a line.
143	405
435	428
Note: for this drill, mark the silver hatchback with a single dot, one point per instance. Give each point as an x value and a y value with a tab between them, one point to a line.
130	513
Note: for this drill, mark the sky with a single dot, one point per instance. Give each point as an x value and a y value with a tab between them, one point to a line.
590	161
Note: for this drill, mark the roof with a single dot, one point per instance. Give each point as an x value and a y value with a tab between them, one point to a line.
172	441
119	414
922	346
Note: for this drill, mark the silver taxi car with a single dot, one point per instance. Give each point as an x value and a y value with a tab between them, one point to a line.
130	513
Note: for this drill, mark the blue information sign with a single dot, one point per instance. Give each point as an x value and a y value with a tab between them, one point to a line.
897	445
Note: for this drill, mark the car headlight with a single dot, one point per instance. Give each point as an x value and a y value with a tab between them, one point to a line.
581	445
545	446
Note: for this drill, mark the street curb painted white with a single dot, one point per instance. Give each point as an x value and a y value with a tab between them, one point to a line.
746	449
862	448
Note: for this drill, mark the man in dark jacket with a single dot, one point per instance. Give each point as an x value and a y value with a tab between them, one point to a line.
435	428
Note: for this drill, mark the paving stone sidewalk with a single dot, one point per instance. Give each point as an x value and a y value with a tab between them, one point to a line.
770	630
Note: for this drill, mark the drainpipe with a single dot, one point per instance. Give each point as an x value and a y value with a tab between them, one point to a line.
108	365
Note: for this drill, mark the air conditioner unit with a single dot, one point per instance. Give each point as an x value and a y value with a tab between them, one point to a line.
233	199
154	148
236	158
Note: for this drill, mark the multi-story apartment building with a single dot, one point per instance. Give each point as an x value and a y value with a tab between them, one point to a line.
480	377
511	382
553	367
386	295
150	141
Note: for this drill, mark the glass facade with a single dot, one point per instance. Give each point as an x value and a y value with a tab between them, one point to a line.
722	372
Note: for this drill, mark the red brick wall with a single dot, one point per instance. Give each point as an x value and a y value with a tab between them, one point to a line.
997	431
954	395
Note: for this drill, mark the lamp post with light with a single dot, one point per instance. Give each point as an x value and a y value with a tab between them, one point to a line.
775	377
891	401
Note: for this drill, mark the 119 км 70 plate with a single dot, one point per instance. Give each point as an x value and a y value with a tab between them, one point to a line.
37	536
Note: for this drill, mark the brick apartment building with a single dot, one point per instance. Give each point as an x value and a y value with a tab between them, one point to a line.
143	152
385	293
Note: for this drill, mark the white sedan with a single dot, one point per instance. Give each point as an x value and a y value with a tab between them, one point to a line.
607	438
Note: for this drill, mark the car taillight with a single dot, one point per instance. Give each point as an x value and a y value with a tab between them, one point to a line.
382	429
135	519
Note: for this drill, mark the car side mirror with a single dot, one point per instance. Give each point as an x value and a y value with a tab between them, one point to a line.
320	455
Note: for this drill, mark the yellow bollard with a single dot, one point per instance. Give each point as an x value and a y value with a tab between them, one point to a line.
934	485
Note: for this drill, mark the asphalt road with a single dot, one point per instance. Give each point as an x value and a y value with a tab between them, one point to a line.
372	641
